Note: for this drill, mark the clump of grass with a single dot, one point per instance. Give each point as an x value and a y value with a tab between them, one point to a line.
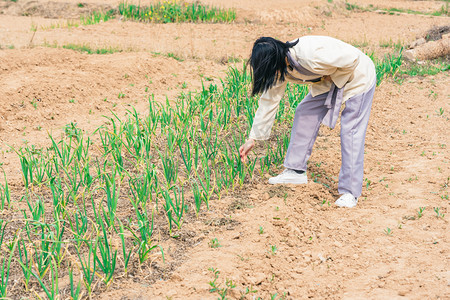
438	212
388	231
87	49
175	12
388	66
443	11
214	243
159	12
217	287
420	212
350	6
429	68
7	47
174	56
391	44
97	16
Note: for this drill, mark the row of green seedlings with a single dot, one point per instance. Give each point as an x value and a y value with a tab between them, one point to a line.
47	249
201	136
192	143
176	12
159	12
75	230
72	175
199	149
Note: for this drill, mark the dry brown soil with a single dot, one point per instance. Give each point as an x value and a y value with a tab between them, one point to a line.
321	251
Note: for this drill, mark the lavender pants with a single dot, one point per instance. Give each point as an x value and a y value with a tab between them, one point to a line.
354	119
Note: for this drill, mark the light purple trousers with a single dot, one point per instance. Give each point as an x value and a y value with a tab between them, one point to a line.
354	119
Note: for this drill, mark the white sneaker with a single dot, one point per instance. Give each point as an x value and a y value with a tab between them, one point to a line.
289	176
346	200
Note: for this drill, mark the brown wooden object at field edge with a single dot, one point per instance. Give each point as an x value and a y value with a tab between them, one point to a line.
430	50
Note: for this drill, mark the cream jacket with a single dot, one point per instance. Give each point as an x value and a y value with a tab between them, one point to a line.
346	65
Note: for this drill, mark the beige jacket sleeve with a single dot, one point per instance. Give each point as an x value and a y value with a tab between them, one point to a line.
266	112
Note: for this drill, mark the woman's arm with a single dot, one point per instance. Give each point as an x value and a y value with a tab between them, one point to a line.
264	118
265	114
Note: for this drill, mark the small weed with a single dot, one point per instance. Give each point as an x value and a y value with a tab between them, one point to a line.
325	201
246	291
350	6
390	44
388	231
71	130
261	230
34	102
72	100
216	287
174	56
440	113
273	249
121	95
439	214
420	212
368	183
362	44
430	68
433	94
214	243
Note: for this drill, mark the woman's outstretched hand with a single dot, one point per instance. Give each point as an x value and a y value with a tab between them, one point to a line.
245	149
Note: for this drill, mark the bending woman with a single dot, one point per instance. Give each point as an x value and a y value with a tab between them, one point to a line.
338	73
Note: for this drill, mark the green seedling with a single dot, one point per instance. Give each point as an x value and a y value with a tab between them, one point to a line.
88	265
388	231
174	206
5	195
126	255
420	212
106	260
438	212
74	291
214	243
5	260
273	249
216	287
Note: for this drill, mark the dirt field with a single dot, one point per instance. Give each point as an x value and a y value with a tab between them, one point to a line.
307	247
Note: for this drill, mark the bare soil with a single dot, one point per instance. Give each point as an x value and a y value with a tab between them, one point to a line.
308	248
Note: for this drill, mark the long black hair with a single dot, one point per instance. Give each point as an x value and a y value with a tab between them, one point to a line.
268	63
